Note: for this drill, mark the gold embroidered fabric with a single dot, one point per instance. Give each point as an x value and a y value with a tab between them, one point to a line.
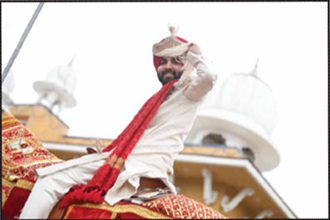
121	208
181	207
169	42
167	207
25	184
22	152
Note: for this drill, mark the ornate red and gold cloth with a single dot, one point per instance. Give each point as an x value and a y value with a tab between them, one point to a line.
167	207
22	154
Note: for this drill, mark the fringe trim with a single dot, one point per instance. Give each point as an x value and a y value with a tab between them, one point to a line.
82	195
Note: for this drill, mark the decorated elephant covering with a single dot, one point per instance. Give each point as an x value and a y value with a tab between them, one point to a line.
23	153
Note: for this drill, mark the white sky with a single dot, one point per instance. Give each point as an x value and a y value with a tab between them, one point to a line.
113	42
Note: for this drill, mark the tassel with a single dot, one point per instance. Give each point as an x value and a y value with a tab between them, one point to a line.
88	193
82	196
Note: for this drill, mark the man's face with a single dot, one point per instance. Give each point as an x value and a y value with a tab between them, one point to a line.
170	68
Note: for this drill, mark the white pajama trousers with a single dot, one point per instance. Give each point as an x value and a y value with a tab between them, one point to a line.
49	189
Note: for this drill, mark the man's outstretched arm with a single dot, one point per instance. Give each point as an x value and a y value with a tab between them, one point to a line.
205	79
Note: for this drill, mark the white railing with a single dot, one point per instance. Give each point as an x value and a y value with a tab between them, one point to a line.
209	195
233	203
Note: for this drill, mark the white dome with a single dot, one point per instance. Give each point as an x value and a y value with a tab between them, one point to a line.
249	96
243	110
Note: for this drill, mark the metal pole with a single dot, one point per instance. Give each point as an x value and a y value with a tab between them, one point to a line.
21	41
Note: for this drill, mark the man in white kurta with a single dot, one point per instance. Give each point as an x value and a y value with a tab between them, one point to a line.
153	156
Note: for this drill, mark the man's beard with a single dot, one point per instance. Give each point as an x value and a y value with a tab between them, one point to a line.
176	75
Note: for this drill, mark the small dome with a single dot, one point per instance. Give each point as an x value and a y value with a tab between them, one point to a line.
63	76
8	87
58	87
249	96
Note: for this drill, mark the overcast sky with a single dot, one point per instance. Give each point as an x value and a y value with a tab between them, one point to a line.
113	41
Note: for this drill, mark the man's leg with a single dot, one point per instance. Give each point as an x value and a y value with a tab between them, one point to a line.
48	190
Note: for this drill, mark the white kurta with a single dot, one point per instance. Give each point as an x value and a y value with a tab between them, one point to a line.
153	155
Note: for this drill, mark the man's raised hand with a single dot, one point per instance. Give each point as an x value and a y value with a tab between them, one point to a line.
194	48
